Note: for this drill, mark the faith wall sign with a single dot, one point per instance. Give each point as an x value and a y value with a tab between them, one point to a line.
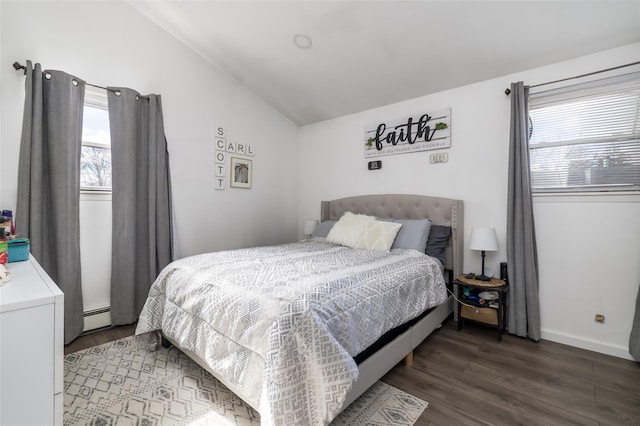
423	132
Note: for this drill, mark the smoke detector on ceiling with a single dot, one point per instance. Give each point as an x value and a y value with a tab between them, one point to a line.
302	41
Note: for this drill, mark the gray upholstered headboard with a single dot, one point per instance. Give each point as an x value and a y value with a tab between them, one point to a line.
441	211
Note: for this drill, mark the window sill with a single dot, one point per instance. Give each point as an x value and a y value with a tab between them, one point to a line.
588	197
95	195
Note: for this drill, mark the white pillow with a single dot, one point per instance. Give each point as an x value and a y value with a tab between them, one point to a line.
349	229
378	235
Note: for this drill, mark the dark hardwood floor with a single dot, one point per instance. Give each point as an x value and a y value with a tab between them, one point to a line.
469	378
99	337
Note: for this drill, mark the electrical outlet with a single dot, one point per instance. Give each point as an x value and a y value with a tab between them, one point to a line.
442	157
600	318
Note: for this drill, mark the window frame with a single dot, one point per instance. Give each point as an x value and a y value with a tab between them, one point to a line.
565	96
95	98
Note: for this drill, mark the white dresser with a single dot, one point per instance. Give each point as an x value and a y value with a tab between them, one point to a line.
31	347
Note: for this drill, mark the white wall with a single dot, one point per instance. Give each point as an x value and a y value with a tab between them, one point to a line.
589	251
111	43
95	227
95	258
589	256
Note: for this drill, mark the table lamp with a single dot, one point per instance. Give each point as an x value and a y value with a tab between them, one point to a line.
483	239
310	226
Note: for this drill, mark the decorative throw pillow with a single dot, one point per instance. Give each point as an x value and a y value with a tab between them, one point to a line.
323	229
437	241
413	234
348	230
378	235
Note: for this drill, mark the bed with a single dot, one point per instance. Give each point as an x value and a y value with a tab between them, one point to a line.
298	364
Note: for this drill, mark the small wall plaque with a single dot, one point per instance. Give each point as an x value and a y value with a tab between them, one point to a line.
375	165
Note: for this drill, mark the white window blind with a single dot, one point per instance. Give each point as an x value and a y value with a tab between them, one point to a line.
586	137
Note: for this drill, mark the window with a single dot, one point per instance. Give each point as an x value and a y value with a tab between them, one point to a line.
586	137
95	162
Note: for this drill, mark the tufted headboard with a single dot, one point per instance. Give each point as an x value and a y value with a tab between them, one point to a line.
441	211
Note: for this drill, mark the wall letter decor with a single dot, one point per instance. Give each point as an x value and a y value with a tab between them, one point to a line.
240	170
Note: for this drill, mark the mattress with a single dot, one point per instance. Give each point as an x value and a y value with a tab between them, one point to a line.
280	325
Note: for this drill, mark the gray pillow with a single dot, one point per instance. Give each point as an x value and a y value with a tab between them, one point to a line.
413	234
323	229
437	241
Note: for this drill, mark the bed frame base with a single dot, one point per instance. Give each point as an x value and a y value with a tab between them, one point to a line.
378	364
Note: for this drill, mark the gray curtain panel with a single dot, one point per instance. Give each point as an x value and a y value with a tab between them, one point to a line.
48	205
523	312
141	200
634	337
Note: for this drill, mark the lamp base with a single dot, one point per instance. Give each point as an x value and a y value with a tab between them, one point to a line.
482	276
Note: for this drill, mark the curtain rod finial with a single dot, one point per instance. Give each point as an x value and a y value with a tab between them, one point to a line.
17	66
507	92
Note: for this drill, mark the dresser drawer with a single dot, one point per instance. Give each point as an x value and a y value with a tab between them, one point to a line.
485	315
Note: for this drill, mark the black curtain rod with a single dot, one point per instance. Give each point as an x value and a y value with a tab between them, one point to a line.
507	91
18	67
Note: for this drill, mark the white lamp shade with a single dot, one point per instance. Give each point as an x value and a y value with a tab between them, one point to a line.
310	226
483	239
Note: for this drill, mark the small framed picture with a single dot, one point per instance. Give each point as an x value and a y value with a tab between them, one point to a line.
241	171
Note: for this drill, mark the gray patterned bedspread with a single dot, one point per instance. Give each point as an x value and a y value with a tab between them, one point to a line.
279	325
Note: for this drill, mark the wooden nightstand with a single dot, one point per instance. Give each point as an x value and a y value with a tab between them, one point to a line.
491	312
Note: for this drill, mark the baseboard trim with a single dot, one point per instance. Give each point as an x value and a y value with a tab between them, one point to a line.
97	318
97	311
590	345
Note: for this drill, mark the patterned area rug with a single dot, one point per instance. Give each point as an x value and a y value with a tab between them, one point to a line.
123	383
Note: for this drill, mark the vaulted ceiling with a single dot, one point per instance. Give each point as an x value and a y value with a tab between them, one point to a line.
366	54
